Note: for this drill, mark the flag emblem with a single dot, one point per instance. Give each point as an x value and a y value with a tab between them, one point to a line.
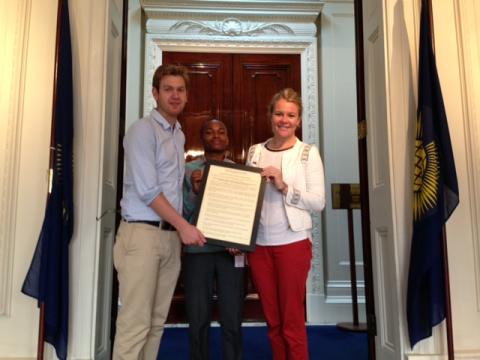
426	175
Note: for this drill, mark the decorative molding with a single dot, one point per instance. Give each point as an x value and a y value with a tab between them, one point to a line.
226	27
331	310
340	291
102	340
459	355
309	78
347	263
343	299
375	110
387	320
467	355
230	27
282	10
316	269
15	19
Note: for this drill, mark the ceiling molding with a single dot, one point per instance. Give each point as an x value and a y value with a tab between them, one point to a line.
280	10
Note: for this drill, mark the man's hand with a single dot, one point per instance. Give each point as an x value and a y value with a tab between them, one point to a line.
196	179
233	251
190	235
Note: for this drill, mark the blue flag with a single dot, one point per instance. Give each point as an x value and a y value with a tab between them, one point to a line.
47	277
435	191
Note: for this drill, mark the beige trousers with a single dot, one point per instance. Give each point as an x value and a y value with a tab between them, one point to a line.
147	260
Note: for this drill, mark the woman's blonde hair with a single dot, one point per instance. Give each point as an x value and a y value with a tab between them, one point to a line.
288	94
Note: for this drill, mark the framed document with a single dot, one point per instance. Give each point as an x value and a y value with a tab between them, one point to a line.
230	203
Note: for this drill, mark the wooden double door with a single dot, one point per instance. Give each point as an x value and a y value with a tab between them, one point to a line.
236	89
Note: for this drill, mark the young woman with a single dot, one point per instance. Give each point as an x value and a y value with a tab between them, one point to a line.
281	260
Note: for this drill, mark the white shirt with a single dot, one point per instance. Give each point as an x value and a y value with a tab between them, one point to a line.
274	228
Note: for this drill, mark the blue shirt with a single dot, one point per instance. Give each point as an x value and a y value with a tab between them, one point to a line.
154	164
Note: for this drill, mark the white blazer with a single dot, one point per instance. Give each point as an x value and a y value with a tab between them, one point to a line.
302	171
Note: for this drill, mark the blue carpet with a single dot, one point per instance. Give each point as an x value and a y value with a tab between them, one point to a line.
325	342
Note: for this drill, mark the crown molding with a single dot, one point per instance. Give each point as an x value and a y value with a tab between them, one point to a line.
281	10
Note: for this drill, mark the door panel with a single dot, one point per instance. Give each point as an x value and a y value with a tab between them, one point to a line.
210	93
257	79
383	251
236	89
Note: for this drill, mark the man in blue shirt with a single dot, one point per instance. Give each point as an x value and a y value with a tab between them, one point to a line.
148	243
211	267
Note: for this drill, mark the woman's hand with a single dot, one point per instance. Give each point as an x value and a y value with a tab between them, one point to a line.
274	175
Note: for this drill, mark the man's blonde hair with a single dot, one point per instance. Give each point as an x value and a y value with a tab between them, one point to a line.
170	69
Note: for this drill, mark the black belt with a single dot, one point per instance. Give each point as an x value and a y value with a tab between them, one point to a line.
164	225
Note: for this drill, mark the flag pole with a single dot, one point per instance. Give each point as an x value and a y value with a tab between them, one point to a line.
446	273
41	333
41	321
448	305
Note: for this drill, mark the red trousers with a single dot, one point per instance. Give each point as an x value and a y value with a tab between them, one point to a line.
280	274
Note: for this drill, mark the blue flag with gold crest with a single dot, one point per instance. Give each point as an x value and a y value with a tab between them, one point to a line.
435	191
47	277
